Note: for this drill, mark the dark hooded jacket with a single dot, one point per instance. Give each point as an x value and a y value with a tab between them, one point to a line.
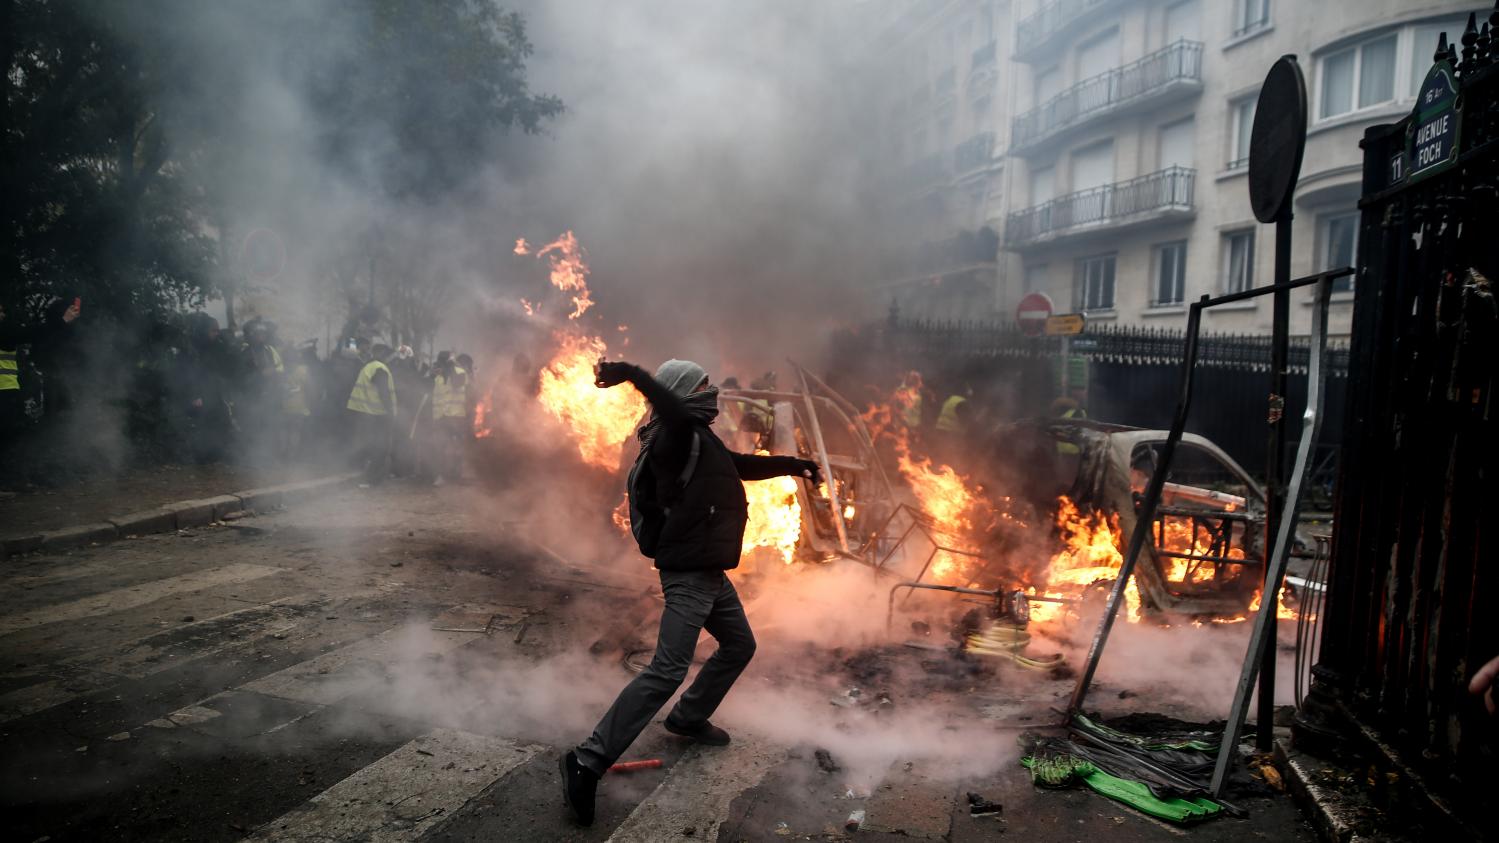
704	529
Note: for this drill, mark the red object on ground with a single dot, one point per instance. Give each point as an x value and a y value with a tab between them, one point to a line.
627	766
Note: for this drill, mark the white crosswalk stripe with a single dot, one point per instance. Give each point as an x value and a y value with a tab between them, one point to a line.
698	791
404	794
134	595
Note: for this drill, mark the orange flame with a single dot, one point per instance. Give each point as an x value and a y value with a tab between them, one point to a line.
482	429
568	271
601	420
775	517
1090	553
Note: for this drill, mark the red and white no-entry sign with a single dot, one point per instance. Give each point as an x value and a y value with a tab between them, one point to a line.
1032	314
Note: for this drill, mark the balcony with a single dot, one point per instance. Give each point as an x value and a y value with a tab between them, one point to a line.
1173	70
1160	196
924	173
1043	31
984	57
974	153
946	86
968	250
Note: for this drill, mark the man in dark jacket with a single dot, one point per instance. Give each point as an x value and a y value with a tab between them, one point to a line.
701	538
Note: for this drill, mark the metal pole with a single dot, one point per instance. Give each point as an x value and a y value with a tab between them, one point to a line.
1275	563
822	455
1274	480
1146	515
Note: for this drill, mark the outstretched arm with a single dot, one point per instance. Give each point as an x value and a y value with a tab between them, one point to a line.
762	467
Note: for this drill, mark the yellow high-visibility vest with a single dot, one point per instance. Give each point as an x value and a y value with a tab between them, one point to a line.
948	420
10	370
449	397
295	402
276	360
1068	447
365	397
911	413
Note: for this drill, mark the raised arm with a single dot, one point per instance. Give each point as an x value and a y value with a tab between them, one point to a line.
669	408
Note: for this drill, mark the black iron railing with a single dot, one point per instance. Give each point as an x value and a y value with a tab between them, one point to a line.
973	153
924	172
1099	95
984	56
1166	189
1410	613
947	83
1034	32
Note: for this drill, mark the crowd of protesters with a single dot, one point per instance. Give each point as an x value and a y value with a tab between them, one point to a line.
192	391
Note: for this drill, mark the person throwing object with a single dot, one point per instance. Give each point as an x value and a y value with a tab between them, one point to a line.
688	511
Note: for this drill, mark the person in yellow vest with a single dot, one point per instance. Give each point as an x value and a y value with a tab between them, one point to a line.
1067	408
297	401
450	390
48	332
372	405
908	400
952	425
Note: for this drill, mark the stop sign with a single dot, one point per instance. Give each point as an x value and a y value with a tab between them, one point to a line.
1032	313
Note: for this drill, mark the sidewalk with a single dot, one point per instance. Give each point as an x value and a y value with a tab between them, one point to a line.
146	500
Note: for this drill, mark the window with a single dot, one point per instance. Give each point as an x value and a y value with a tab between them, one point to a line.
1170	274
1238	261
1043	185
1250	15
1096	283
1183	22
1357	77
1098	55
1092	166
1035	278
1242	116
1423	44
1048	84
1339	237
1176	144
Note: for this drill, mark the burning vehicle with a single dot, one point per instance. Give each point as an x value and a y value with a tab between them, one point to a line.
1077	482
1034	519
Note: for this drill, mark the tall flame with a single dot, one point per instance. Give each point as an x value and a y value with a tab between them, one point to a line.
1090	553
600	419
775	517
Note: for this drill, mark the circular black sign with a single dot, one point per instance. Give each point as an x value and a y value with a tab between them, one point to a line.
1277	140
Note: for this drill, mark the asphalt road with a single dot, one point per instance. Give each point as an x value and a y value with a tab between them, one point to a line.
279	677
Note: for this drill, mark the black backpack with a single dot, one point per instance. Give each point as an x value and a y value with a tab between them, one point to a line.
647	514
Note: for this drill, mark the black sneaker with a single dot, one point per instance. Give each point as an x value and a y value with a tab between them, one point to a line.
704	733
579	785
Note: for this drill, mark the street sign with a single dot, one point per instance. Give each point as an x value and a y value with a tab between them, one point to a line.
1032	314
1437	123
1065	324
1277	140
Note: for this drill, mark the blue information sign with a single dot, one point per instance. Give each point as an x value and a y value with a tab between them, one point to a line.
1435	129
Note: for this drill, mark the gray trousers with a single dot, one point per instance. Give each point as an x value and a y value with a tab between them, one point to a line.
695	600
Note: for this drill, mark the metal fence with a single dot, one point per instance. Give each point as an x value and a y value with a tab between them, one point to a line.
1164	189
1132	376
1414	583
1175	63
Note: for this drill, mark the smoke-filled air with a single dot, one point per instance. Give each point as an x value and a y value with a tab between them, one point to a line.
682	420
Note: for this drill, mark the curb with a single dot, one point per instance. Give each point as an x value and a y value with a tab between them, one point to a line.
1326	808
167	518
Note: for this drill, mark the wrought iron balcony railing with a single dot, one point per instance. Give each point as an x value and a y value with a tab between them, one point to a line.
1034	34
973	153
947	84
1175	66
1112	204
984	56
